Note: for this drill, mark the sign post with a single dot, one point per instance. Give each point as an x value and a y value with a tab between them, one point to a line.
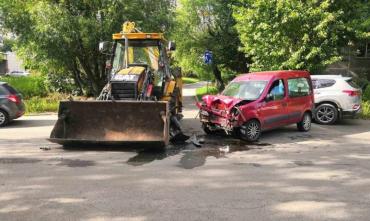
208	58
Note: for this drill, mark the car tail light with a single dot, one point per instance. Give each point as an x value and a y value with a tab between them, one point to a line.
352	93
14	98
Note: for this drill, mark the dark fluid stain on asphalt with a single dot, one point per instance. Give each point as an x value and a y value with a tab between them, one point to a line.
149	155
76	163
195	157
300	137
18	160
303	163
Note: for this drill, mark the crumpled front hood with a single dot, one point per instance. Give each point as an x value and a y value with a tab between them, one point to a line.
228	101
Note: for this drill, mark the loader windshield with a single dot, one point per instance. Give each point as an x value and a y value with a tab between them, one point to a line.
140	52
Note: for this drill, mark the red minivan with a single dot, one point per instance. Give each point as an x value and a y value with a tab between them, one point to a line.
259	101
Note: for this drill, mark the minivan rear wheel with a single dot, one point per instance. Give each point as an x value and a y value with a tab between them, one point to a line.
326	114
305	124
4	118
251	130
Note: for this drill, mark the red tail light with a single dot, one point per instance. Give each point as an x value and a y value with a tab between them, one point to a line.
352	93
14	98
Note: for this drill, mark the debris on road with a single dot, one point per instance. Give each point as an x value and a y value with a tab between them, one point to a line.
45	148
194	140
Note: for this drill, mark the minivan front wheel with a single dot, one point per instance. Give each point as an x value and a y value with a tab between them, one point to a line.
305	124
4	119
251	130
326	114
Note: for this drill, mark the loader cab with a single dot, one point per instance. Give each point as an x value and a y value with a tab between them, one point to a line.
140	53
136	56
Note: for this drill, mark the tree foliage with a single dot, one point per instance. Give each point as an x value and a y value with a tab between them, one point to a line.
208	24
61	37
291	34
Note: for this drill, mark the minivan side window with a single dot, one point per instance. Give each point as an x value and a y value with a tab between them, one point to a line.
277	90
298	87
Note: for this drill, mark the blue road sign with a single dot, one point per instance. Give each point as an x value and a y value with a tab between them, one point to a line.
208	57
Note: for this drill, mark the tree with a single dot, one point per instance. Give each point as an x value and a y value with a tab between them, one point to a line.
208	25
61	36
291	34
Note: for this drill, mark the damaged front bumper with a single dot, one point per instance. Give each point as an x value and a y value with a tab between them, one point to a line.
219	119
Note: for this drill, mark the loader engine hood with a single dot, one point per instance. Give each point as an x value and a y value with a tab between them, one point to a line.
226	102
127	83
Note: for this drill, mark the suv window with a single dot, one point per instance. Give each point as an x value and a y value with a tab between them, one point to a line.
10	89
3	91
322	83
298	87
277	90
352	83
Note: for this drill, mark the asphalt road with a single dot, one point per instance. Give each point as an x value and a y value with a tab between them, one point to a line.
289	175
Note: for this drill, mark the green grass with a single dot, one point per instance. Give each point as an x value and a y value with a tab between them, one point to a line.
28	86
188	80
365	110
43	104
200	92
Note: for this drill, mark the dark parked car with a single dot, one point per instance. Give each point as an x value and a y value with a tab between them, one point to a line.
11	104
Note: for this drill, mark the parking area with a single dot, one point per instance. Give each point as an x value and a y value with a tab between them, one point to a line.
320	175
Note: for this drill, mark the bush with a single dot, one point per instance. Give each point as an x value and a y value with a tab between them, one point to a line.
62	84
200	92
366	95
28	86
365	110
189	80
44	104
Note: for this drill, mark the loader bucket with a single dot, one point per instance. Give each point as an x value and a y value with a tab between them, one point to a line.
111	123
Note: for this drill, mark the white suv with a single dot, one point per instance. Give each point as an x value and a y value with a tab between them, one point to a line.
336	97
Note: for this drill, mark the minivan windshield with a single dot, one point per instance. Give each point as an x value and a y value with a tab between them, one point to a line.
245	90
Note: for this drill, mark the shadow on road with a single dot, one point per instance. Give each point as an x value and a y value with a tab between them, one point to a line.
30	123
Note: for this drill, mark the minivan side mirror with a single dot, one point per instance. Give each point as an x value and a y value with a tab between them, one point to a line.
105	47
171	46
269	97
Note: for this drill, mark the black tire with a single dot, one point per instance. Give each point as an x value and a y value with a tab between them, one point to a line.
251	130
206	129
326	114
4	118
305	124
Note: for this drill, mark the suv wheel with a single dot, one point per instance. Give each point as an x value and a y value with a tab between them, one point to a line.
251	131
305	124
326	114
4	119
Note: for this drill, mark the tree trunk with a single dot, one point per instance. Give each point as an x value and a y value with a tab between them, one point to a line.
217	73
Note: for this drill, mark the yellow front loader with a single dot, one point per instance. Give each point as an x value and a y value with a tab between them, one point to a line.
142	101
